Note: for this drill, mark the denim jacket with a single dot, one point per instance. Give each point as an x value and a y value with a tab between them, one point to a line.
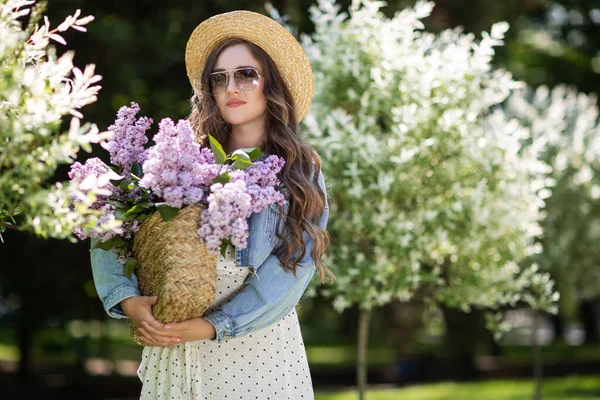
268	295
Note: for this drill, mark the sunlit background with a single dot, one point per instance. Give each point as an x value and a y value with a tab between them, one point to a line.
57	343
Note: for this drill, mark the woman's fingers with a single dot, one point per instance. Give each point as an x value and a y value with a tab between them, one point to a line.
156	341
155	324
147	337
156	331
159	334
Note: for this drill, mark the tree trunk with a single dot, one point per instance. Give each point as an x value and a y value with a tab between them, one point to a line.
537	357
461	347
364	318
558	326
587	312
24	339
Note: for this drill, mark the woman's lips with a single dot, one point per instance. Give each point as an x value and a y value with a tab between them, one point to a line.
235	103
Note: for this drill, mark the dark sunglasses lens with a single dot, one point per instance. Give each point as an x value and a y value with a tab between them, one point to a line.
219	79
246	78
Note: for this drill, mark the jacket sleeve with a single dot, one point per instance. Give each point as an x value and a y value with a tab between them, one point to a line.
110	280
266	299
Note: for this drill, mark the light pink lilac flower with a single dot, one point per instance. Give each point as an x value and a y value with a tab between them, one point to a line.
177	169
229	207
127	144
93	167
262	182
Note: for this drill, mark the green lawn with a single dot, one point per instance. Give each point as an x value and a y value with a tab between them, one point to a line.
568	388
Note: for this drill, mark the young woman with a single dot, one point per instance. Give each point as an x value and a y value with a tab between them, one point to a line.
252	85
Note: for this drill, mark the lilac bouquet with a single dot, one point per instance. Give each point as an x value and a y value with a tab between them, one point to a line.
175	172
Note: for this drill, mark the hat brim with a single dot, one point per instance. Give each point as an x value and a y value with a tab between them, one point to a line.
274	39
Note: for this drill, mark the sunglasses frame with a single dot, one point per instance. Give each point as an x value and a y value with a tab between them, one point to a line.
229	73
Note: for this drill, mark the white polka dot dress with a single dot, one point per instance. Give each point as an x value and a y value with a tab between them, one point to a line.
268	364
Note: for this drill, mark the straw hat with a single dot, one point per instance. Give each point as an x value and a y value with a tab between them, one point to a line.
274	39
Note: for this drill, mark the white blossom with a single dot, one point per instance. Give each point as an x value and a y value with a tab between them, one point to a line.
431	184
39	91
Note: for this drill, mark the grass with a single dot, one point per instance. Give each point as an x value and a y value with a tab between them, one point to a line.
557	352
568	388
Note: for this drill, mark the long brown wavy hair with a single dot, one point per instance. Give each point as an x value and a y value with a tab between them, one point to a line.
282	138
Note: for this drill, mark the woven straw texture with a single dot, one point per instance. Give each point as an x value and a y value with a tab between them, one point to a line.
176	266
278	42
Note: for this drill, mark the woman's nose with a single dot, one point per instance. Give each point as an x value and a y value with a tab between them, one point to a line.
232	86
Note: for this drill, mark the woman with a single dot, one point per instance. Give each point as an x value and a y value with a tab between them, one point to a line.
252	85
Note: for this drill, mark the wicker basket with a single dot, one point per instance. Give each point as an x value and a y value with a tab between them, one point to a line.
176	266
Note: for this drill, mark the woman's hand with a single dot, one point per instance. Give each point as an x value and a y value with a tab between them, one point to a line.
192	329
139	310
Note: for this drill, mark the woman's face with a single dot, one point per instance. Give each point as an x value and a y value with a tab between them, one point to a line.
235	105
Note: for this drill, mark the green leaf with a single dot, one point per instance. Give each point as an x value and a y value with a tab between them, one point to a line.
241	164
217	150
224	245
109	244
166	212
253	152
130	265
133	210
137	171
241	160
146	204
115	203
120	213
116	182
240	155
223	178
124	185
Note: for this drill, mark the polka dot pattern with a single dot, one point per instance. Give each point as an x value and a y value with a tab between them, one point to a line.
268	364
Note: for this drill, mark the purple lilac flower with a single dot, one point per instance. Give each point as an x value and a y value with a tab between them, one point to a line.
229	207
262	197
177	169
262	182
126	231
93	168
127	144
264	173
108	213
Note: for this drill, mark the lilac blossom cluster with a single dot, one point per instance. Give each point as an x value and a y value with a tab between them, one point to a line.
262	182
179	172
81	176
126	147
229	206
95	169
176	168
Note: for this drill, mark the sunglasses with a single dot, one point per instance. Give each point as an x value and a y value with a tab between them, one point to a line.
245	78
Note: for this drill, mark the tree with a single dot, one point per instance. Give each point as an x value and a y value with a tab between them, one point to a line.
37	91
434	192
564	126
